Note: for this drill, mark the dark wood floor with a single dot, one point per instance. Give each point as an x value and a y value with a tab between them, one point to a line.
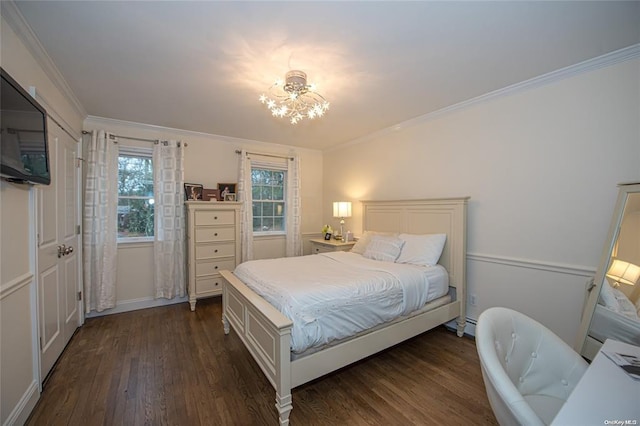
171	366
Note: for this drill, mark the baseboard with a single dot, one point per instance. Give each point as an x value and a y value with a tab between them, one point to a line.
136	304
23	409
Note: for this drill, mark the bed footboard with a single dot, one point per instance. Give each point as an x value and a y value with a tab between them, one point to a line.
265	332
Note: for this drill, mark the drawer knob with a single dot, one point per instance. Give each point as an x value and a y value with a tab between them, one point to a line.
216	251
216	267
215	235
216	218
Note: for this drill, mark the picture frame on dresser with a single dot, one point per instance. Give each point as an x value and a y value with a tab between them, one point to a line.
226	188
193	191
209	194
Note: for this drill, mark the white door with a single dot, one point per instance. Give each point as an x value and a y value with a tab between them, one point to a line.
58	243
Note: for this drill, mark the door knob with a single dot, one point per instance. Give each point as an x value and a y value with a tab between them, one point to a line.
61	250
68	250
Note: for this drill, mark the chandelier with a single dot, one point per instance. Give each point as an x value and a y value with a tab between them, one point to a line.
294	99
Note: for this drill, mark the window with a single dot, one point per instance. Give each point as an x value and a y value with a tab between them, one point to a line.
135	195
268	192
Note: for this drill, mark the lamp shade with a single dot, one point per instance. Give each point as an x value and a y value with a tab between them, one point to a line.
623	272
342	209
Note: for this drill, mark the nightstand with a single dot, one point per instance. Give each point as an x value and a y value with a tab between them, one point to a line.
327	246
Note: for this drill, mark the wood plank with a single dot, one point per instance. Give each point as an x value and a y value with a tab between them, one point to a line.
169	365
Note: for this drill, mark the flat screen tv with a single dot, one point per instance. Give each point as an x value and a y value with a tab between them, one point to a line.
23	135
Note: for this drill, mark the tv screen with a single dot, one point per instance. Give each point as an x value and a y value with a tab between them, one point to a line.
23	135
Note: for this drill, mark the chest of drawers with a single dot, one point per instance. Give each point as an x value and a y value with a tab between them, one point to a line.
213	244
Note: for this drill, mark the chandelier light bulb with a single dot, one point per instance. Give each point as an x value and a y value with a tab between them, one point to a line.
294	99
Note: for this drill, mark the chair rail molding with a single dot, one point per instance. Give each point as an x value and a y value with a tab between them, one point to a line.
16	284
560	268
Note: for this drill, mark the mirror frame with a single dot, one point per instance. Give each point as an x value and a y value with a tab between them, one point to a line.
625	189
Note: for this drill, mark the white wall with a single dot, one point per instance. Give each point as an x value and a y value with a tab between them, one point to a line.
541	166
209	160
19	377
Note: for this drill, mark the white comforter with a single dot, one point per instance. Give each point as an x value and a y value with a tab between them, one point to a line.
331	296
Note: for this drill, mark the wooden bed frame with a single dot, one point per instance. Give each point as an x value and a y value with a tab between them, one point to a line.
267	333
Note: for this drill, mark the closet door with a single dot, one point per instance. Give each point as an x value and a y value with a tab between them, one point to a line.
58	256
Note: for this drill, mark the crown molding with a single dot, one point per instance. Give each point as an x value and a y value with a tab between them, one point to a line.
16	21
92	121
606	60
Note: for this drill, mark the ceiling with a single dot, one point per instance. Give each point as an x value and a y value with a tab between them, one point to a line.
201	66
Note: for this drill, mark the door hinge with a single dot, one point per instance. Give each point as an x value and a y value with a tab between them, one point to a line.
79	295
41	346
78	229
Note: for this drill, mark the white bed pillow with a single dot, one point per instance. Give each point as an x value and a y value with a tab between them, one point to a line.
422	250
616	301
607	298
383	247
361	245
625	306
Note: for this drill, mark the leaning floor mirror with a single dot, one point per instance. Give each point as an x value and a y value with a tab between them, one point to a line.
613	303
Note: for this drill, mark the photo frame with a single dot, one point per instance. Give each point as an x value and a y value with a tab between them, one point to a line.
193	192
230	197
226	188
327	236
209	194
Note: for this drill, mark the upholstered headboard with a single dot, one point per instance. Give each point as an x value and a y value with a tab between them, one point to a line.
433	216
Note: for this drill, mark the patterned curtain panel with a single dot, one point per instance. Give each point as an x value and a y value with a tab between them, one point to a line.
246	208
100	231
169	243
294	209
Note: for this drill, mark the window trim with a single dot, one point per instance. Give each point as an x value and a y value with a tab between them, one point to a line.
273	168
134	240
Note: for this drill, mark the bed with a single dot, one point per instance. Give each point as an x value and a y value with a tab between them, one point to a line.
615	317
267	333
607	324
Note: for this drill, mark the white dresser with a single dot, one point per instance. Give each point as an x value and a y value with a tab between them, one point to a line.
213	244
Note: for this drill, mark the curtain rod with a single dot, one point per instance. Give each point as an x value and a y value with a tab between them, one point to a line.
112	136
266	155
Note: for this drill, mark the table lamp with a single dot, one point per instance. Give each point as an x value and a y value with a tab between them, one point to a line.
341	209
623	272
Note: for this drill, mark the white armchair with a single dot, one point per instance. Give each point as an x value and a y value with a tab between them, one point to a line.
528	371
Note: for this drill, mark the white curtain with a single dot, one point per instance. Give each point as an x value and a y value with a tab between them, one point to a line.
294	209
100	231
169	242
245	196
